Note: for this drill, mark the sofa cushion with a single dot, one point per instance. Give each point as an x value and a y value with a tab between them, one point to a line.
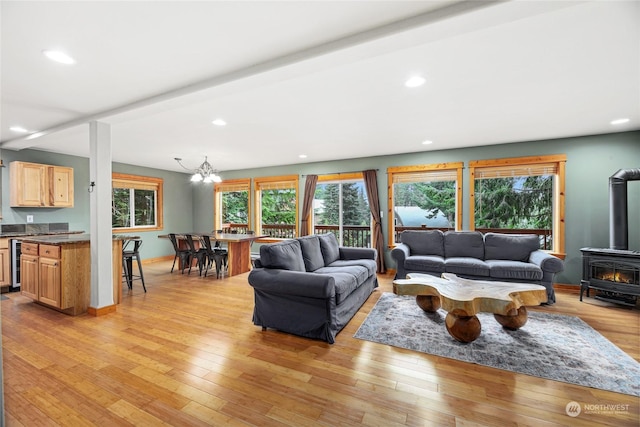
359	272
516	247
424	263
514	270
311	252
345	284
427	242
286	255
464	244
330	247
466	266
369	264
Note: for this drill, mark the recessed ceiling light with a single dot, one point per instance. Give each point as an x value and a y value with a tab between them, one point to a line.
427	142
303	156
18	129
415	81
59	56
619	121
36	135
219	122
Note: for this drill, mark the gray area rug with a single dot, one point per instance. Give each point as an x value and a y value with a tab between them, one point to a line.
552	346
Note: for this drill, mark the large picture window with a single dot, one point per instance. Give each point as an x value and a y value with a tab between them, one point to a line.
520	195
136	203
231	205
276	206
424	197
341	207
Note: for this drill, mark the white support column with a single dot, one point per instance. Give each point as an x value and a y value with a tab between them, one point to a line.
100	214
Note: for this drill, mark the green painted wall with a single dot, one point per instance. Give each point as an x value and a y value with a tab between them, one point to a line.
590	162
189	207
178	198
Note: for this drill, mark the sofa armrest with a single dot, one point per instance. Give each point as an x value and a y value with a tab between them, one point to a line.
288	282
546	261
357	253
400	253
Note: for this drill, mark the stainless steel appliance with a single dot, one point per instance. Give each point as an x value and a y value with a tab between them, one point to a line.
15	263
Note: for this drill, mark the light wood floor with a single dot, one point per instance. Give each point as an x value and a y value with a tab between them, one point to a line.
187	354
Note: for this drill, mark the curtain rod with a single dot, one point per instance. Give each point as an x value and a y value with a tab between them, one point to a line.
339	173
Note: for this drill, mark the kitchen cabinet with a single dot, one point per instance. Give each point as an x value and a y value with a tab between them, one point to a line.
50	278
42	267
29	283
39	185
5	269
56	271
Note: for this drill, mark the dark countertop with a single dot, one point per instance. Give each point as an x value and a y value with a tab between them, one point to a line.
66	239
48	233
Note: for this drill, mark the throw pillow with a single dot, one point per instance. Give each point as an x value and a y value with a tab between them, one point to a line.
330	248
311	253
515	247
286	255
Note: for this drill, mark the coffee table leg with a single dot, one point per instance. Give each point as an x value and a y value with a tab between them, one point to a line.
428	303
514	322
463	328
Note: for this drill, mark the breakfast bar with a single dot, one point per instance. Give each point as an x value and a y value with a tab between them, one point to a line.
56	271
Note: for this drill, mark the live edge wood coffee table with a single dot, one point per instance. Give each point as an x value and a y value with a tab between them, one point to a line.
464	298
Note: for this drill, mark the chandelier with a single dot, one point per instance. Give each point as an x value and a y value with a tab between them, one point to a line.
204	172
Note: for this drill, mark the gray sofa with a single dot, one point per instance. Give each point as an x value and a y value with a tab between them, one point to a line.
310	286
472	255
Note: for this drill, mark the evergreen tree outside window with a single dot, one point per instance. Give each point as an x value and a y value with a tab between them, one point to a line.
341	207
523	194
136	203
424	197
276	204
231	205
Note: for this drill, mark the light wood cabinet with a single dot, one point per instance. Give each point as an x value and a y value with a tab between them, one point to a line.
29	282
42	275
50	290
5	269
61	186
38	185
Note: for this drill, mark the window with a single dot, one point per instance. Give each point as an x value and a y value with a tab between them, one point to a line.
521	195
341	207
136	203
276	206
231	205
423	197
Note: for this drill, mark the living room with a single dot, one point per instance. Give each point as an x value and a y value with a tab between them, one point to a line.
592	156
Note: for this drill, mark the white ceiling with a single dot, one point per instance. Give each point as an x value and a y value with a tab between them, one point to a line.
321	78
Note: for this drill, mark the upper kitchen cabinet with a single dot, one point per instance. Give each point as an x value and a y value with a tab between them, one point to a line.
38	185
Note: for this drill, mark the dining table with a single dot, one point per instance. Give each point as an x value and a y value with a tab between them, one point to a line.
238	247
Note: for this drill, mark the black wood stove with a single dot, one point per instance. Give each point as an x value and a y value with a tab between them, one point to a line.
615	272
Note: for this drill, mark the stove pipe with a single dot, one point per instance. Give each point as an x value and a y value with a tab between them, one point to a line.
618	222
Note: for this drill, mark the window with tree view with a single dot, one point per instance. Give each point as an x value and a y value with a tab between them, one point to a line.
342	208
520	198
232	206
424	197
136	202
277	206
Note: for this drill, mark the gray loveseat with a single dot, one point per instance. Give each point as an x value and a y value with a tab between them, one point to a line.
310	286
469	254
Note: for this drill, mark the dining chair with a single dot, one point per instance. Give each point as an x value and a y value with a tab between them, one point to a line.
183	255
198	254
213	257
221	249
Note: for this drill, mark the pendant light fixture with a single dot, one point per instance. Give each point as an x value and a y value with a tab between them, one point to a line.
204	172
